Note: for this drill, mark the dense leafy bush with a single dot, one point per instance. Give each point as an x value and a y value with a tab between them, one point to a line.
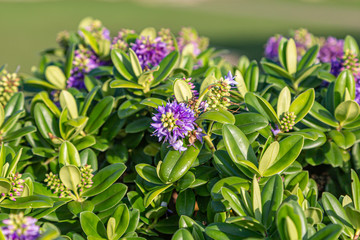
156	136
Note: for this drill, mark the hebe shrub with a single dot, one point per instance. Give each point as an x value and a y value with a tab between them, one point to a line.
153	135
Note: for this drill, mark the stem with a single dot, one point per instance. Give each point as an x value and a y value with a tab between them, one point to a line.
210	128
209	143
202	95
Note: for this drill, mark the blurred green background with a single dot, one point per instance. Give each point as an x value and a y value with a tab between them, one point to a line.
242	26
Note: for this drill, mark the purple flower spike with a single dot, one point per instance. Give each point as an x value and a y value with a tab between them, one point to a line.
19	227
150	52
174	122
84	61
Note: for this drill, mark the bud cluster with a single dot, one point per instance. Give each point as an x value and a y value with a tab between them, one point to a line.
351	62
287	121
9	84
166	37
17	186
119	42
55	184
218	96
86	177
63	39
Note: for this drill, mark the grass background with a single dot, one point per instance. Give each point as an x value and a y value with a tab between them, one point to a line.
242	26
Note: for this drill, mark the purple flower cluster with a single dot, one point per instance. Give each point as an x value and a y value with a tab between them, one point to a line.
84	61
303	40
19	227
188	36
150	52
119	42
174	122
331	52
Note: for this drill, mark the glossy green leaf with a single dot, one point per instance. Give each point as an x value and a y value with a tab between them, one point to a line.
258	104
68	154
290	149
92	225
104	179
302	104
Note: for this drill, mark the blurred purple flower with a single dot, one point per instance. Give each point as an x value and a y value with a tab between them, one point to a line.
272	48
150	52
332	49
19	227
189	36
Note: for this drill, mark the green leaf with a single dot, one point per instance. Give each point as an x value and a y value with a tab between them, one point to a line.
46	121
175	164
284	101
209	80
15	104
182	234
355	188
291	56
269	157
70	176
99	114
275	68
148	33
68	154
290	149
221	116
125	84
251	76
225	231
258	104
138	125
309	58
256	199
233	201
185	203
322	114
109	198
302	104
90	40
69	59
67	100
235	184
182	91
343	139
55	76
344	81
330	232
271	198
347	112
241	86
336	213
351	45
122	217
150	196
28	202
166	66
239	148
135	63
9	136
153	102
105	178
129	107
250	122
92	225
148	173
291	223
122	63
